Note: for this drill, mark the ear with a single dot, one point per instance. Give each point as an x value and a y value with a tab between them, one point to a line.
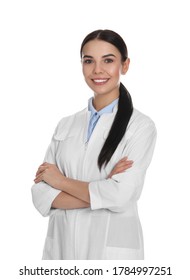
125	66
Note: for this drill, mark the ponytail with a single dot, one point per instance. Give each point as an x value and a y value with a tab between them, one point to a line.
125	105
118	128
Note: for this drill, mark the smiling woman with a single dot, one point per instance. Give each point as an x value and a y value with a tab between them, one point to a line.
105	59
102	70
94	168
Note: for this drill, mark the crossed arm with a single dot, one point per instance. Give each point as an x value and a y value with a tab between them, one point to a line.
74	193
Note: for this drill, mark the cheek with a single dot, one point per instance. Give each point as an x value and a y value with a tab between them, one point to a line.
116	72
86	74
86	70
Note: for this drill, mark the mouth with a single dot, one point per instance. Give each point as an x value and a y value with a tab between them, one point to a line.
100	81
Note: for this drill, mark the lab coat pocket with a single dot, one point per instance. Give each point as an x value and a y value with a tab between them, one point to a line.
63	135
124	239
124	232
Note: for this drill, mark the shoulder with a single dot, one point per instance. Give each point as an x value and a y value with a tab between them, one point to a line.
140	123
72	121
138	119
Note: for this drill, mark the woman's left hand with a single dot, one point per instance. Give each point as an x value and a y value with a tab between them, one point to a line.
50	174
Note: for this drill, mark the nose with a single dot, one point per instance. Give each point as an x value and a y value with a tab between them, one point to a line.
98	68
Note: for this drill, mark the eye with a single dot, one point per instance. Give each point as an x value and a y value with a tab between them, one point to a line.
88	61
108	60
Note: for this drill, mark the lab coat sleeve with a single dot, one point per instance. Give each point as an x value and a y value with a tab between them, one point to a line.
117	192
42	193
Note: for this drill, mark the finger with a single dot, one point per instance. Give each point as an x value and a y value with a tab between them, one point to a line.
124	163
41	176
45	164
123	160
41	169
38	179
122	168
127	162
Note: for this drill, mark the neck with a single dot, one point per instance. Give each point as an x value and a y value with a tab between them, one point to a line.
101	101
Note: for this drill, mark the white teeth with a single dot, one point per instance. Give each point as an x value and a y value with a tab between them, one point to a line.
100	81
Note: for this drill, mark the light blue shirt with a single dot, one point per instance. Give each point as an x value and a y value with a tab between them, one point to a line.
95	115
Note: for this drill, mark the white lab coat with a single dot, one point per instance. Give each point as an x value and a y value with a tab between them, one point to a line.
110	228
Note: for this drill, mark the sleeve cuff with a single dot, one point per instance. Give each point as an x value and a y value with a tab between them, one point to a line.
95	198
43	195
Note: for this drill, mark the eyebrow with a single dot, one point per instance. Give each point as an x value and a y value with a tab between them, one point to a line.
106	55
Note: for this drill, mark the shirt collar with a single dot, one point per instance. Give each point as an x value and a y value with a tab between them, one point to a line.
108	109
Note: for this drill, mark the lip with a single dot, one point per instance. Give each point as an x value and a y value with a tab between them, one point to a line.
100	81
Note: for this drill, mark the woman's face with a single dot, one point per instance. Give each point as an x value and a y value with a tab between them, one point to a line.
102	67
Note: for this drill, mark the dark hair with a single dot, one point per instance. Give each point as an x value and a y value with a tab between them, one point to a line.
125	105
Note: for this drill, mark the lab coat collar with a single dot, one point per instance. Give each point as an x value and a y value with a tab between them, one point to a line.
109	109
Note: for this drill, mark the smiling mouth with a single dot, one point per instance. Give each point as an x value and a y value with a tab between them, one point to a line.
100	81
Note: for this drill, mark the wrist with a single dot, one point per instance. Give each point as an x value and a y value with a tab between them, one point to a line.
62	183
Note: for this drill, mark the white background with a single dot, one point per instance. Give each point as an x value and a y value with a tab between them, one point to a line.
41	82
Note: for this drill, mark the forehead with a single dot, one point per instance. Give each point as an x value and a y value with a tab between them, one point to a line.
99	48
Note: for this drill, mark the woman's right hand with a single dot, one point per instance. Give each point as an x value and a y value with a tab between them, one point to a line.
121	166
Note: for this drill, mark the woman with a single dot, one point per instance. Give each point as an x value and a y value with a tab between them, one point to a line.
87	184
